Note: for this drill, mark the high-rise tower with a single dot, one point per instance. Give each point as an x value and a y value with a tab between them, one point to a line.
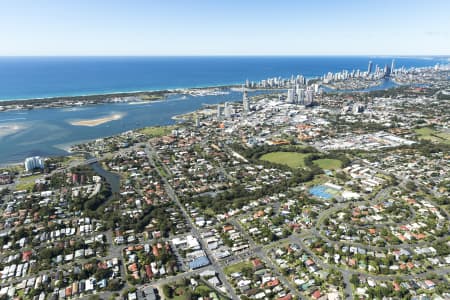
369	68
219	111
290	95
301	96
245	102
309	95
227	110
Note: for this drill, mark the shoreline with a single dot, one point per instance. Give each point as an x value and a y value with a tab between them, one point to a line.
144	96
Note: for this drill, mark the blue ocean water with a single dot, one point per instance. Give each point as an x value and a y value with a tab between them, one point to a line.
40	77
46	132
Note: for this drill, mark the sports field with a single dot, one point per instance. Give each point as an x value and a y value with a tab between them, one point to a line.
430	134
328	163
291	159
156	131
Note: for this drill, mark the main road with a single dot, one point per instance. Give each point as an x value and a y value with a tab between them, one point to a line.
153	157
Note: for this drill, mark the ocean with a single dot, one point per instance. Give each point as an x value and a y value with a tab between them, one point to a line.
42	77
48	132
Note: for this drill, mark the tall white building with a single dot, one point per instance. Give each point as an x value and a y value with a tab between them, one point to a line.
290	96
369	68
227	110
301	96
358	108
309	95
197	121
35	162
245	102
316	88
219	111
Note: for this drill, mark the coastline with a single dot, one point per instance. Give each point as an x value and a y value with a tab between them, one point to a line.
49	134
94	121
102	98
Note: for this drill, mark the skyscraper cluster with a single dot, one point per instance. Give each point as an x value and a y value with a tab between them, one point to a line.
226	110
301	96
371	73
277	82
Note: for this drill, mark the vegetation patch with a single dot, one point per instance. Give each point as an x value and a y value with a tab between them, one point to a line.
287	159
183	290
157	131
432	135
291	159
26	185
237	267
328	163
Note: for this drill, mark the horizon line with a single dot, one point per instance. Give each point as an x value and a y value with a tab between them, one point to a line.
228	55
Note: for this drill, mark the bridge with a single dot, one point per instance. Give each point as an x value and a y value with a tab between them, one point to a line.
91	161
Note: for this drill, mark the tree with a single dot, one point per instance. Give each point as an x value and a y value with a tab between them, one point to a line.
411	186
102	273
115	285
354	280
167	291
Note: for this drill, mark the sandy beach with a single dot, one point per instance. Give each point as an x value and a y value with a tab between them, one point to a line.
96	122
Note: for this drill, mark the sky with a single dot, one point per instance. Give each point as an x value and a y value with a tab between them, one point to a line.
227	27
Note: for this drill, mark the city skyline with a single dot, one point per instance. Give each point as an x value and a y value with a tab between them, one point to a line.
141	28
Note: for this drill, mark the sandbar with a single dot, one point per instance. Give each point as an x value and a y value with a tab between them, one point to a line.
96	122
8	129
